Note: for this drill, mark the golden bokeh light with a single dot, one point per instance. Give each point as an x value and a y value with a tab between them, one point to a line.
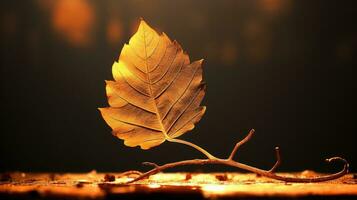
114	31
229	53
74	20
257	39
275	7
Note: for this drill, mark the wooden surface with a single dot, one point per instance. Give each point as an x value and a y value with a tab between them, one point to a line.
94	185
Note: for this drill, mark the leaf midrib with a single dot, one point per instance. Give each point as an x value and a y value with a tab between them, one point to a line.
150	89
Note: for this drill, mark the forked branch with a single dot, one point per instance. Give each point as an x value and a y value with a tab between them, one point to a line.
230	162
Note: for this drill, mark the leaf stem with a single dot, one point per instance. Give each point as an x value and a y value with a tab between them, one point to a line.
206	153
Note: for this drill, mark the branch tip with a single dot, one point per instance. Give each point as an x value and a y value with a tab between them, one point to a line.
150	164
240	143
278	160
346	165
130	172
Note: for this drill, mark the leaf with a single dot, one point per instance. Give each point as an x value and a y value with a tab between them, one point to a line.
157	92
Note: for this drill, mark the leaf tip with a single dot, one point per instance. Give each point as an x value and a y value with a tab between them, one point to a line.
143	23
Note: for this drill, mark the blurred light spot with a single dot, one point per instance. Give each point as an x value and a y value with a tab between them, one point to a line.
229	53
114	31
253	28
257	38
154	185
83	180
167	177
74	19
204	178
275	7
214	188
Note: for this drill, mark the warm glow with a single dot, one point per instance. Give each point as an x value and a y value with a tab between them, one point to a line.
90	185
229	53
214	188
204	178
73	19
167	177
275	7
123	179
154	185
83	180
114	31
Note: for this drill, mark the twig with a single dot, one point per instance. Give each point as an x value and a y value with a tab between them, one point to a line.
151	164
130	173
230	162
240	143
208	155
278	160
246	167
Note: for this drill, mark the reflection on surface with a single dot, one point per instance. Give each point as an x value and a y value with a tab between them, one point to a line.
238	185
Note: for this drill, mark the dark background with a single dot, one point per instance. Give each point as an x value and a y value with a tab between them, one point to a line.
283	67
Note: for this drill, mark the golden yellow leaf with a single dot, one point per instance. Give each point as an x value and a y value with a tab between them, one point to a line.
157	92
